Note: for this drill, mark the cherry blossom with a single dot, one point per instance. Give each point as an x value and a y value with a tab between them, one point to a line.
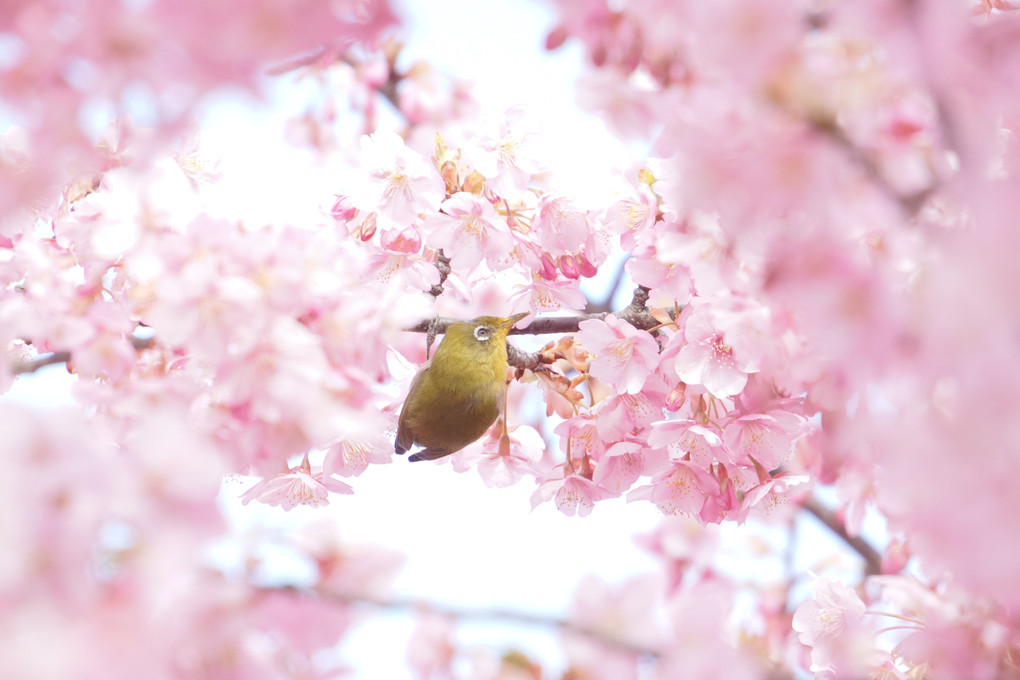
765	438
680	489
621	355
833	625
573	495
719	350
301	485
504	459
689	440
398	183
509	159
469	232
811	207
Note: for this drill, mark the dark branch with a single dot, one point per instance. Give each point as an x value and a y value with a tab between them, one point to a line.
443	265
32	365
872	559
636	314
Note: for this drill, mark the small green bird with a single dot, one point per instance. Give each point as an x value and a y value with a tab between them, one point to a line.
458	393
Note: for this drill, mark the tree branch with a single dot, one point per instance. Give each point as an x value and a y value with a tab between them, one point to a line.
909	203
872	558
62	357
464	614
636	314
442	263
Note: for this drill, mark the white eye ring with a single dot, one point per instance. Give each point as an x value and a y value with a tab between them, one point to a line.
482	334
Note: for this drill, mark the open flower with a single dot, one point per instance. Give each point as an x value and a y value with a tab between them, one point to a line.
398	183
832	624
297	486
574	495
624	355
469	231
720	350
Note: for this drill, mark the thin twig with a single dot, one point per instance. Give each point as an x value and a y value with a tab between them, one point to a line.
62	357
33	365
636	314
442	263
872	558
465	614
909	203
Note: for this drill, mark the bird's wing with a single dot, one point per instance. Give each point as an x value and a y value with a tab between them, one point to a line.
405	437
428	454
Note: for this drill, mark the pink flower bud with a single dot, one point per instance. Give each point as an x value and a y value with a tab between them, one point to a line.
406	240
568	266
366	230
556	37
548	267
342	210
585	267
677	397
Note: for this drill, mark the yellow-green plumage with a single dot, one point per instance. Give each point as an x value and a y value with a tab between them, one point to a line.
458	394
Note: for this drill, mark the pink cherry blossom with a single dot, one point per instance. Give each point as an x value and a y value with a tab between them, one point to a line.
631	217
832	624
680	489
548	296
397	183
469	231
623	356
501	460
720	349
620	466
766	437
574	495
699	245
669	284
623	414
365	446
301	485
581	436
561	228
510	158
689	440
775	492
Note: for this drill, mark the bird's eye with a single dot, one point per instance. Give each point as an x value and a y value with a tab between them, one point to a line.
482	333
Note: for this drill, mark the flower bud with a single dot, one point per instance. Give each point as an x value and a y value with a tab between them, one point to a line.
548	267
448	171
473	183
406	240
366	230
342	210
585	267
568	266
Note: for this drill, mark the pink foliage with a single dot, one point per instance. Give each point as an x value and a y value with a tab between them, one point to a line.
824	246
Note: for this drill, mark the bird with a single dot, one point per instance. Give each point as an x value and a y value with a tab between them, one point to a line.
457	394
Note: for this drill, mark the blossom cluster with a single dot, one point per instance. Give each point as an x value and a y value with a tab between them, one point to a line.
821	241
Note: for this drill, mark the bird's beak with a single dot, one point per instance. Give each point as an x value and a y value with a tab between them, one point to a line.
509	322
